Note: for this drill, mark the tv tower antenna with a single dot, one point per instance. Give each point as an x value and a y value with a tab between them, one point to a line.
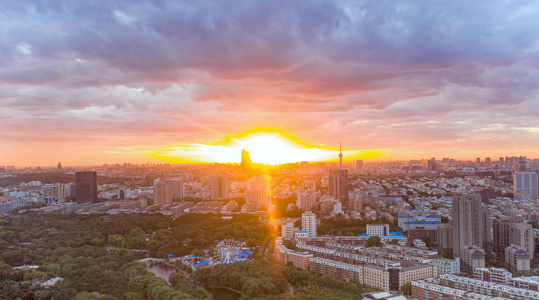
340	155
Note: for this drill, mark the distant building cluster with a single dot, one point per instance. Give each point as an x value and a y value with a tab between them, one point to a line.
434	217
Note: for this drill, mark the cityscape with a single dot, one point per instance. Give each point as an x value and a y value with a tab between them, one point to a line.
269	150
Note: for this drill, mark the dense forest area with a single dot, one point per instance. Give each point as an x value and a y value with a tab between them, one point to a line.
94	254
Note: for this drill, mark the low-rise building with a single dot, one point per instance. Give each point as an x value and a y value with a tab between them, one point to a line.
377	229
517	259
299	259
497	275
447	266
473	257
529	283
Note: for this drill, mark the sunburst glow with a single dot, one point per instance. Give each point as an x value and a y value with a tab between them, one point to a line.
266	147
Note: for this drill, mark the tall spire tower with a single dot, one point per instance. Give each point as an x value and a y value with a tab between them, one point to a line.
338	182
340	155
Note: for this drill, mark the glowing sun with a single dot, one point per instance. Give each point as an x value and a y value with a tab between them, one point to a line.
265	146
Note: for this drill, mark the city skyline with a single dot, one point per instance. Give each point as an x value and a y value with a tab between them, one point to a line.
91	83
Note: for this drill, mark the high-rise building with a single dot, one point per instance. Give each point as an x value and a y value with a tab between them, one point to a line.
487	160
522	234
501	234
306	200
175	188
338	183
525	183
471	224
432	165
359	164
478	160
159	191
445	238
86	186
246	165
165	190
259	191
219	187
308	223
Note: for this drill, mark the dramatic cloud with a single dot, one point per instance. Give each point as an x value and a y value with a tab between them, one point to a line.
116	79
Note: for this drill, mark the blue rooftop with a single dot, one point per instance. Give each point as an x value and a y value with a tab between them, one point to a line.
407	217
398	233
432	217
301	231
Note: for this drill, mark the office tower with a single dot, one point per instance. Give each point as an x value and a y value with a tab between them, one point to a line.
487	160
478	160
59	167
308	223
219	187
471	223
338	184
524	182
359	164
86	186
165	190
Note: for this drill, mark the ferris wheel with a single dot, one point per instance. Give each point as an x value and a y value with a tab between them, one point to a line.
228	250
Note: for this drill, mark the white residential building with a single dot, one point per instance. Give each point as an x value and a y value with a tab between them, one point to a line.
447	266
308	223
377	229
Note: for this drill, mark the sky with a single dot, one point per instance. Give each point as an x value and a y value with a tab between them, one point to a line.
93	82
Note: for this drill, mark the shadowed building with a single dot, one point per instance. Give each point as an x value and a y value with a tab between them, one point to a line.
246	165
219	187
165	190
86	185
525	183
